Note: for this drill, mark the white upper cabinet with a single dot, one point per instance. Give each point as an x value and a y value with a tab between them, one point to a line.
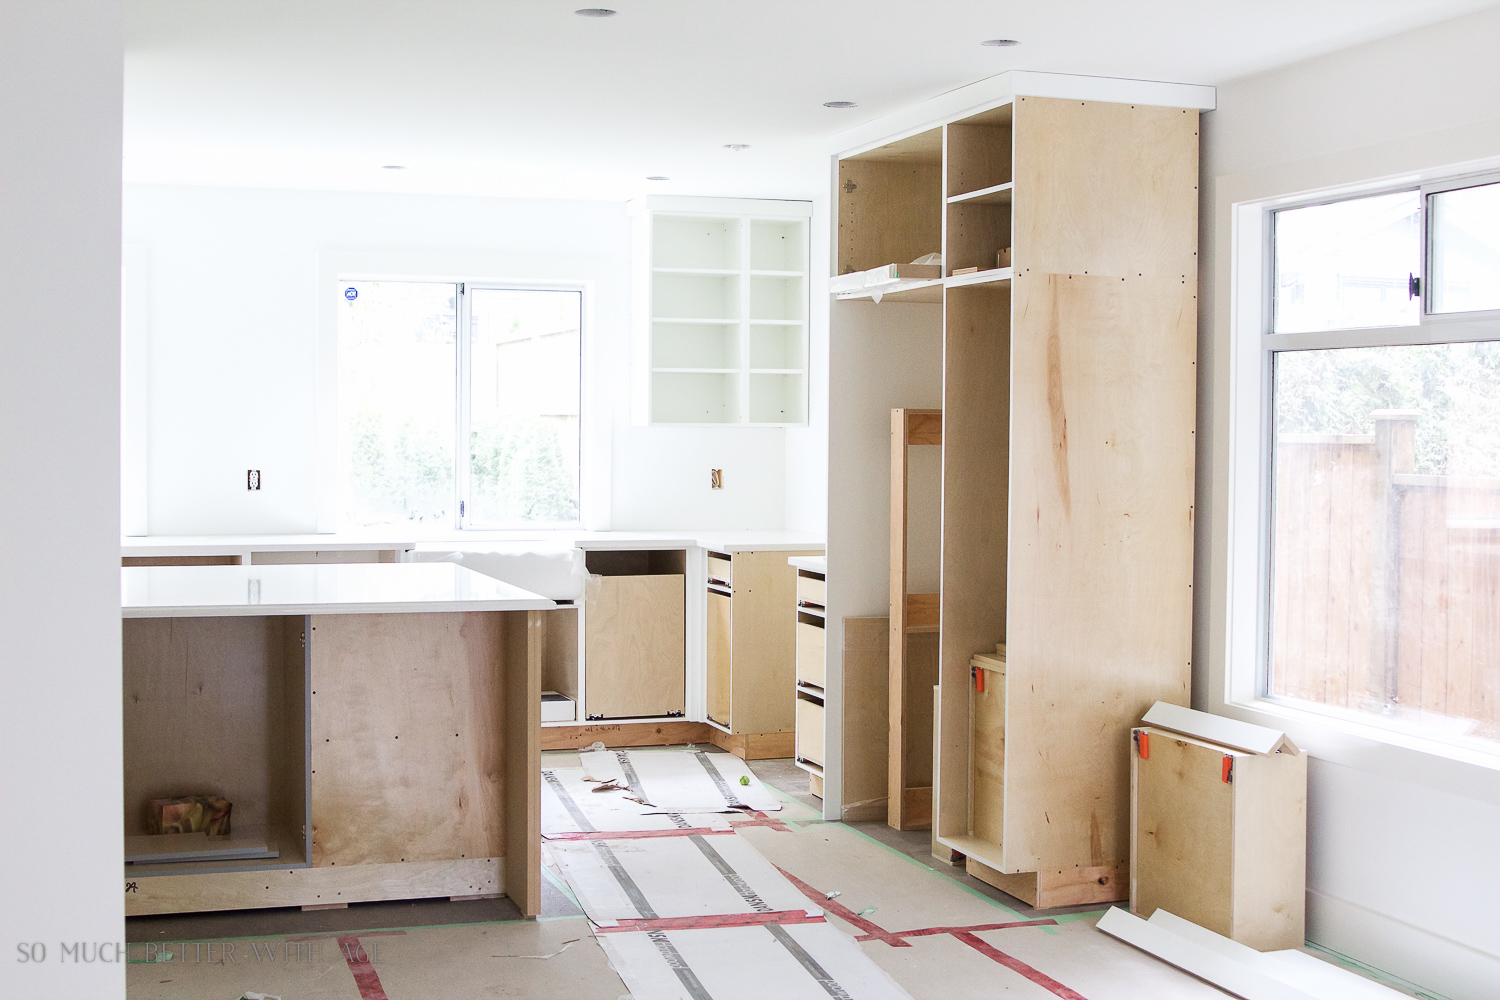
720	311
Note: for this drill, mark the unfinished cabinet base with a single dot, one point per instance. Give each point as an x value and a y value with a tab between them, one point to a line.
1070	887
747	746
312	887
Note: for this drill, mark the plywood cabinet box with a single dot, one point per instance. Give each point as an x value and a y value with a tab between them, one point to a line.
635	638
1219	832
1068	415
376	727
752	643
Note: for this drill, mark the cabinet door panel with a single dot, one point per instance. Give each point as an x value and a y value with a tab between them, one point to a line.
1182	833
635	647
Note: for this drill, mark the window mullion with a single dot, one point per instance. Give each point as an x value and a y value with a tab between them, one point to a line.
462	361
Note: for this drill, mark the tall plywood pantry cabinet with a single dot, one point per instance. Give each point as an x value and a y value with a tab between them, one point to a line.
1068	446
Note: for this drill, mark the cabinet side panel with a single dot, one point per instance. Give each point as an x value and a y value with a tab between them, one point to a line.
763	672
1182	862
976	484
560	652
636	647
1099	623
520	747
1270	851
408	737
720	632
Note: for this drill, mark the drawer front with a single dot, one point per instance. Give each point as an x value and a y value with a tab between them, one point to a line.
720	570
812	591
810	654
809	729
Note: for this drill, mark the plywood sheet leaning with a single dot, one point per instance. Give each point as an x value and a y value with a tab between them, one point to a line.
1103	349
866	719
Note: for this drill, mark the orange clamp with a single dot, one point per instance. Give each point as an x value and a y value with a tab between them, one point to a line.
979	679
1228	768
1143	744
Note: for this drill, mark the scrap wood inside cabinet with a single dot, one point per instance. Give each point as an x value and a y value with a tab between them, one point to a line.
635	634
913	617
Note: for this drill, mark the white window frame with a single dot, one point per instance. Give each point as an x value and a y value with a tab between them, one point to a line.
594	459
1241	693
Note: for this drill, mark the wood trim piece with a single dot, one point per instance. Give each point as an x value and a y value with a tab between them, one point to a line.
313	886
521	818
624	734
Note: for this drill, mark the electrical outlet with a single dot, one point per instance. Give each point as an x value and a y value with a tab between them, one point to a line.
252	479
716	479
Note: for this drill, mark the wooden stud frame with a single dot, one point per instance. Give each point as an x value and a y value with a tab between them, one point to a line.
913	635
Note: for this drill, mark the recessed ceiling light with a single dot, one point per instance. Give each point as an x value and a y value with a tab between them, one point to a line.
1000	43
393	166
658	178
736	146
839	104
595	12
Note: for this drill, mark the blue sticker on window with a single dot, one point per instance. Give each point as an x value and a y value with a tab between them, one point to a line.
351	294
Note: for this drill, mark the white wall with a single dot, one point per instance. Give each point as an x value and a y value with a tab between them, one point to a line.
61	69
234	377
1400	868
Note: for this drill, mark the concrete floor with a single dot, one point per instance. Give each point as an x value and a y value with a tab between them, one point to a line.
437	950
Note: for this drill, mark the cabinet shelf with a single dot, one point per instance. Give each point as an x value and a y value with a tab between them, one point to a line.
696	371
718	272
674	319
994	274
997	194
778	274
926	290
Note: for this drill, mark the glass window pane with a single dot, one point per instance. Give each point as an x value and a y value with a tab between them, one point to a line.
397	405
1385	597
1466	249
524	395
1346	265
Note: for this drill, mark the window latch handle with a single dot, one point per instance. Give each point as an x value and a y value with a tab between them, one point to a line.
1413	286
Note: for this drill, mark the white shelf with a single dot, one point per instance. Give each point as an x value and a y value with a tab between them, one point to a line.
777	322
924	290
700	322
776	371
714	272
999	194
778	274
697	371
994	274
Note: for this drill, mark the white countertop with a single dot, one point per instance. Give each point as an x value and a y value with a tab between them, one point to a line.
327	589
813	564
720	541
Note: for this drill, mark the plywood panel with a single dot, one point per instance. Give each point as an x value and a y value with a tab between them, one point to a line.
560	652
1105	189
520	751
636	650
987	781
408	732
866	719
720	634
1183	861
976	484
315	886
890	212
1101	533
978	156
212	705
763	673
1270	851
809	730
921	675
975	234
810	658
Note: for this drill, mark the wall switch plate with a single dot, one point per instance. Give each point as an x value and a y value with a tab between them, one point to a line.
716	479
252	479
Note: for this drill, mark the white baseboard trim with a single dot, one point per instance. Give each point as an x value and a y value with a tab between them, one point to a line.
1439	967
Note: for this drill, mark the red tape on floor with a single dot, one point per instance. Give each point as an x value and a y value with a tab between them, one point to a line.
715	920
1043	980
873	931
362	968
929	931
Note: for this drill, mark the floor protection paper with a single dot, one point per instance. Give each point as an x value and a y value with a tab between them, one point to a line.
574	804
682	779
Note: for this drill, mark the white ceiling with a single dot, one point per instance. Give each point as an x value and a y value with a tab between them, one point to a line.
524	98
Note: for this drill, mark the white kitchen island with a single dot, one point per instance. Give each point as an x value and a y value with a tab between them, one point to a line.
375	725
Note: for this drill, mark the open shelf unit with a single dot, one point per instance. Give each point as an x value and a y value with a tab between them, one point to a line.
722	335
1066	359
